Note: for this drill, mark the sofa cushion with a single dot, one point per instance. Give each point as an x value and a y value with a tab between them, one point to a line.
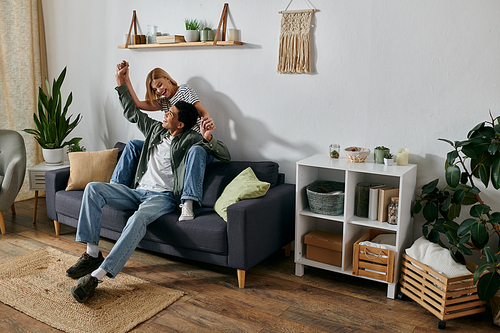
205	233
244	186
86	167
68	203
219	174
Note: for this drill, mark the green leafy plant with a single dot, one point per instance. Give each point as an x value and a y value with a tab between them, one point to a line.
192	24
75	148
476	158
389	155
381	148
51	124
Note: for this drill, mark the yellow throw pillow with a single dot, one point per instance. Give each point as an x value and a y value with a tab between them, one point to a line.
244	186
86	167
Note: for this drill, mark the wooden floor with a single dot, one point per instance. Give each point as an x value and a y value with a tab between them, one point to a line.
274	299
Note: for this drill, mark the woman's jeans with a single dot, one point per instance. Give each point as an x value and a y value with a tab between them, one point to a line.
196	162
148	207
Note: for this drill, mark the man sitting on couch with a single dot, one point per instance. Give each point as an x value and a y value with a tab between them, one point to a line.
164	174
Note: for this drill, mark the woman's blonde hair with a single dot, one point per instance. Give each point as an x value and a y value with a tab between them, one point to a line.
156	73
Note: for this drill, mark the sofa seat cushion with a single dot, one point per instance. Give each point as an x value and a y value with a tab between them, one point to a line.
207	232
68	203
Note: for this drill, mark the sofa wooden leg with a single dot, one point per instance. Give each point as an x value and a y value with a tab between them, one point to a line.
57	226
241	278
288	249
2	223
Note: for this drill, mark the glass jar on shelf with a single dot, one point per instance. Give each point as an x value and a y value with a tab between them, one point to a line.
392	211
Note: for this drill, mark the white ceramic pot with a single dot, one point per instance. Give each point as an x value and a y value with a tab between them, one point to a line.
53	156
192	36
388	161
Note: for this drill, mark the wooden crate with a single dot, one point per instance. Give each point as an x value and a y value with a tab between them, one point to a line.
446	298
371	261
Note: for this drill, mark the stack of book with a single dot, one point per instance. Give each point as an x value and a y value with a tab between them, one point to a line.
378	202
170	39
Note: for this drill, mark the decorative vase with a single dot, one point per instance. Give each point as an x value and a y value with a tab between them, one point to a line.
53	156
192	36
379	155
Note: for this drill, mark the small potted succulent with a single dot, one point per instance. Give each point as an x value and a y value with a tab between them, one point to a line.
389	159
192	30
207	34
379	154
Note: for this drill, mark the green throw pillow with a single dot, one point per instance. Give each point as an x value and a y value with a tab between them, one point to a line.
244	186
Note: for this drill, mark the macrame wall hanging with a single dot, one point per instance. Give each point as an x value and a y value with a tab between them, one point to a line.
295	41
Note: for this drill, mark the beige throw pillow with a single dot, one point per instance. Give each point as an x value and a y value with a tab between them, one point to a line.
86	167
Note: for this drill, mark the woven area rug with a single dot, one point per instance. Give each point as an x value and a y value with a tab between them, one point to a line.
37	285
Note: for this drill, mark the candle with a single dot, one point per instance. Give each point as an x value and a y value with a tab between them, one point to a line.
233	35
402	156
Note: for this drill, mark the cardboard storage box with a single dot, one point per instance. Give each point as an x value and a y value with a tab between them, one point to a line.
324	246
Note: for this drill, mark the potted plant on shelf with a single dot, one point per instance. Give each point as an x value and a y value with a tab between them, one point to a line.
192	26
379	153
389	159
52	125
475	159
207	34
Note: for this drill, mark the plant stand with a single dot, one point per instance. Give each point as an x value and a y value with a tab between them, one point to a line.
446	298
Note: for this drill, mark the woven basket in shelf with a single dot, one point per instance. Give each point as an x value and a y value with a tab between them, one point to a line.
326	197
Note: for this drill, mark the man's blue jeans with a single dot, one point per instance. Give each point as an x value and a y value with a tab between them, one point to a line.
196	163
148	207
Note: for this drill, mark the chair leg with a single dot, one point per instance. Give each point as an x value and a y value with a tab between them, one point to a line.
2	223
288	249
13	209
241	278
57	226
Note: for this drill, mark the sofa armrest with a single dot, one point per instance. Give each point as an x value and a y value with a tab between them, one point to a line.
55	180
257	228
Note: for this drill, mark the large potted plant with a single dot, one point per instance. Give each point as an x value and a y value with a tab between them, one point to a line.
52	125
475	159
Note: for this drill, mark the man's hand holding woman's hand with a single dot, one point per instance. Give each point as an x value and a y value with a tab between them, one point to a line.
206	128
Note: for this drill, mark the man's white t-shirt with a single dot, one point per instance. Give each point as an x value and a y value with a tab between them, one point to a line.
159	176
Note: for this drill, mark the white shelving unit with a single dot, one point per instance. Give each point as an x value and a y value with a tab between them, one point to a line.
322	167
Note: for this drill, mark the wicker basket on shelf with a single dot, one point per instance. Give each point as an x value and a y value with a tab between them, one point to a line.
326	197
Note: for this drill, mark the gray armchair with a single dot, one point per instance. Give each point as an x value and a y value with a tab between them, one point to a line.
12	170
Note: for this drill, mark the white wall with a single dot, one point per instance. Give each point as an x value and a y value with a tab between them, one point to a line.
399	73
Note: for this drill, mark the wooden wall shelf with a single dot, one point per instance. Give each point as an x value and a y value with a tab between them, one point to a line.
151	46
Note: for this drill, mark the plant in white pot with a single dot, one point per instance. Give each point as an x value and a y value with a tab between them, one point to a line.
192	30
52	125
389	159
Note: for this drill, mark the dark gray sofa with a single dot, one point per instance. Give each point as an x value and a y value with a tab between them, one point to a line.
256	228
